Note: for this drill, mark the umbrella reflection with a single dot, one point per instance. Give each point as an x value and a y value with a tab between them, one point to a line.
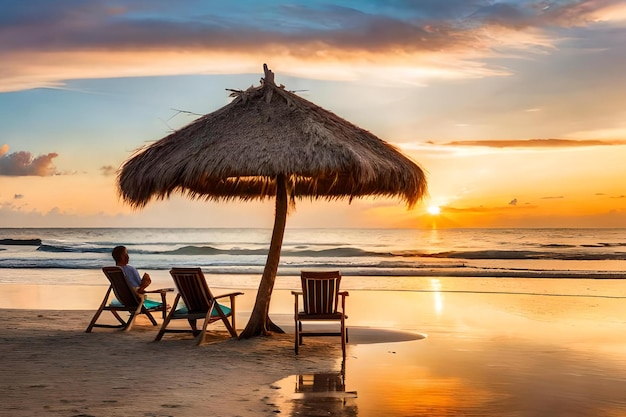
323	394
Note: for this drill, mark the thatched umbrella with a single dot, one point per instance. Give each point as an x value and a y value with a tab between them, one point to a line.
269	142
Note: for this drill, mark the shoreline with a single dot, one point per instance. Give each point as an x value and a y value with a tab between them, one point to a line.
469	271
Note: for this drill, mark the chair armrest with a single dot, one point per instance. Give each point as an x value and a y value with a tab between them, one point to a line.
159	291
343	293
230	294
296	292
163	292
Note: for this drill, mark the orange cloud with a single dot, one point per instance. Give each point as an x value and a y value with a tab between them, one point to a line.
536	143
484	210
21	163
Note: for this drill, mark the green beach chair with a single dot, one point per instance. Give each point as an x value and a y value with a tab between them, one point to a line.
195	301
127	299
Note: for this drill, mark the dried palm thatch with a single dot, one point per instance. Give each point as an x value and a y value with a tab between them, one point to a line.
237	151
269	142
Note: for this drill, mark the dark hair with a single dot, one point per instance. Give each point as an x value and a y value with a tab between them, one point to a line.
117	253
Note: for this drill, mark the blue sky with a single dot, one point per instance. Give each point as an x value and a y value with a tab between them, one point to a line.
515	108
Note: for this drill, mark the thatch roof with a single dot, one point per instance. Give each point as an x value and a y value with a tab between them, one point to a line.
238	150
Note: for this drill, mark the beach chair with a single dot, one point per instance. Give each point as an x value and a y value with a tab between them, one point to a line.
195	301
320	295
127	299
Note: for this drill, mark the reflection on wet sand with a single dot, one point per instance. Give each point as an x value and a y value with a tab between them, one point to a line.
319	394
327	393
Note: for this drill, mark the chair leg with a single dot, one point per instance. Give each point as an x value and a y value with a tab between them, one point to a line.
296	341
93	320
120	319
129	324
343	338
229	327
147	313
133	316
163	305
232	313
123	323
100	310
194	327
167	320
203	331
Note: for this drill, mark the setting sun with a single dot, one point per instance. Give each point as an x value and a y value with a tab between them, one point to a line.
434	210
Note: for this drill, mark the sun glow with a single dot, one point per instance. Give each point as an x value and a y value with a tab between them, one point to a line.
434	210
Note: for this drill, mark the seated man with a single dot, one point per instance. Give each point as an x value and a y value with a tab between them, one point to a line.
120	255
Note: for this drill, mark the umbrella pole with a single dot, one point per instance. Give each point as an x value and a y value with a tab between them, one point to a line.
260	323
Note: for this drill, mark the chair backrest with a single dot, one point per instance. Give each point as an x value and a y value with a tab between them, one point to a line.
193	287
124	292
320	290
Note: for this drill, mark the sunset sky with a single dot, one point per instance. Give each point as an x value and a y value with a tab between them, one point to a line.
516	109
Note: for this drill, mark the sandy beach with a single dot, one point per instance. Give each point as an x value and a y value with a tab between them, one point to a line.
452	351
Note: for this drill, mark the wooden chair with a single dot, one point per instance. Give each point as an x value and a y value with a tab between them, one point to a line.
199	303
320	294
127	299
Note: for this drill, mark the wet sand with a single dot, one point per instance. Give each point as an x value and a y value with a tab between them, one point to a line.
455	350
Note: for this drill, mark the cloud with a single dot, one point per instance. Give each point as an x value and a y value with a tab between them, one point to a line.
22	163
537	143
43	43
513	202
107	170
556	197
483	209
18	196
614	133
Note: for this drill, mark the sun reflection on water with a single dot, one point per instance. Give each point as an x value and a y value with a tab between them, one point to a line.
435	286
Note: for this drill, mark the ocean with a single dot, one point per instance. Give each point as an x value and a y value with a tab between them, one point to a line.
395	257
